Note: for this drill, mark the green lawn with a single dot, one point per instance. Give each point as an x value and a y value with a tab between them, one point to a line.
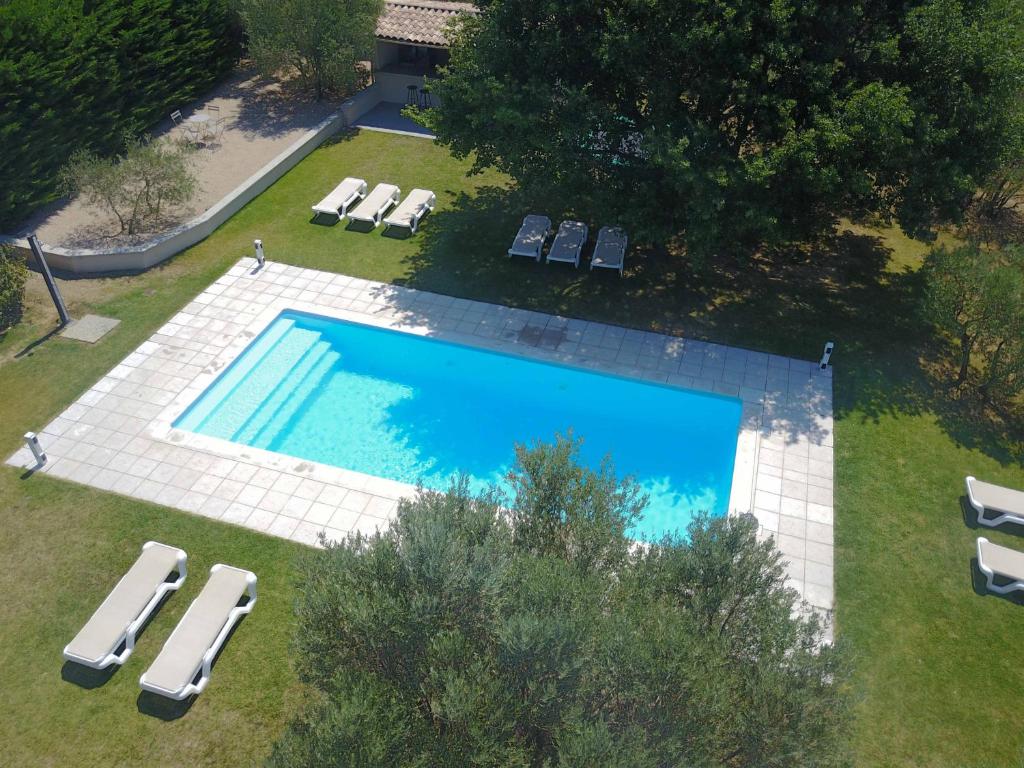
937	681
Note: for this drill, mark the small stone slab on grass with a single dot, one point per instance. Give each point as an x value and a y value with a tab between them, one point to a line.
90	328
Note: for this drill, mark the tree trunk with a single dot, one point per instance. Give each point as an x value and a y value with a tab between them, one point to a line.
966	347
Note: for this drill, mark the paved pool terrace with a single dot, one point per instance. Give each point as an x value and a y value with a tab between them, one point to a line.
118	436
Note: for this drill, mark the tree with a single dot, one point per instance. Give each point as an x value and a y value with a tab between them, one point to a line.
324	40
739	122
13	274
136	186
977	296
527	630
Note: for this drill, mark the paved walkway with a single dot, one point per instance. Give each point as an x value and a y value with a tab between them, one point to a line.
387	116
118	435
263	117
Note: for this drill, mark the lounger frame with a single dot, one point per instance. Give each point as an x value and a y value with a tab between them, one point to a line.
576	249
132	630
607	232
991	522
424	208
195	687
358	194
522	250
990	574
376	216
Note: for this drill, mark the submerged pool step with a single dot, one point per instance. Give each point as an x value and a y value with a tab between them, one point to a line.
198	416
259	383
275	411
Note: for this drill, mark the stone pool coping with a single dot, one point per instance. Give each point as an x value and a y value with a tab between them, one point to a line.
118	436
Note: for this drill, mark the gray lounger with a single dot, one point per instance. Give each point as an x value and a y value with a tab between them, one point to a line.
531	236
108	637
376	204
341	198
409	212
182	668
1002	563
569	242
1007	503
610	250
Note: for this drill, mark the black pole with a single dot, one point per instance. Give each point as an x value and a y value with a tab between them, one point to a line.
51	284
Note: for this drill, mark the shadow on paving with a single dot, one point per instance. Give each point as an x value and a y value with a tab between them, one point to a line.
788	301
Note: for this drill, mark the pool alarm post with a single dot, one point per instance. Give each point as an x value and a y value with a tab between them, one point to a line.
826	355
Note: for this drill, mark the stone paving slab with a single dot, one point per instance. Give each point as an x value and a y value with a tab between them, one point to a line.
90	328
118	436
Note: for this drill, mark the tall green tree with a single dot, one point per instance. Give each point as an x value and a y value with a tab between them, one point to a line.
735	122
324	40
76	76
527	630
976	296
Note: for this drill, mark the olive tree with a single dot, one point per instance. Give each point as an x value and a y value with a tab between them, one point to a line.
325	41
137	186
976	295
524	628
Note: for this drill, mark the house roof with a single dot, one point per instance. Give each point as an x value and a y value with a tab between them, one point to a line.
421	22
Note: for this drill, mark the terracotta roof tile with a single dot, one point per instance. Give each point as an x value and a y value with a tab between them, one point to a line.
419	21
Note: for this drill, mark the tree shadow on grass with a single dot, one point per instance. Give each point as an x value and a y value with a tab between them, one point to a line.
785	300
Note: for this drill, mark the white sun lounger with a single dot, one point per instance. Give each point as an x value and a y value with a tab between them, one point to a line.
409	212
531	236
610	250
1007	503
376	204
182	668
342	198
108	637
1002	563
569	242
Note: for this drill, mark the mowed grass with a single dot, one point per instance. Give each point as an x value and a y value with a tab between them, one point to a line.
936	679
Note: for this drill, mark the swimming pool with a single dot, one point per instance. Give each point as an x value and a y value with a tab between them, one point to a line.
416	409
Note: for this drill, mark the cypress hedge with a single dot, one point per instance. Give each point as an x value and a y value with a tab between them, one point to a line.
77	75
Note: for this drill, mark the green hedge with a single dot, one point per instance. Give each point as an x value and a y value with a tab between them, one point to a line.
78	74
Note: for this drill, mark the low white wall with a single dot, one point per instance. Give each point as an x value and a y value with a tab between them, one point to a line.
135	258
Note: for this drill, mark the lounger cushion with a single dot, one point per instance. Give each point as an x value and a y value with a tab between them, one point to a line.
410	209
182	654
125	602
340	195
531	236
1002	560
997	498
372	203
611	247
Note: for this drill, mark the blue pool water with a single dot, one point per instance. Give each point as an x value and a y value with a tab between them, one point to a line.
414	409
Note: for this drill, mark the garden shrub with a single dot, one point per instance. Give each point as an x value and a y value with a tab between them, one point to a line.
13	274
527	630
77	75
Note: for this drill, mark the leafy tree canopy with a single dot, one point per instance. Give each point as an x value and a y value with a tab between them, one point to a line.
528	630
324	40
737	122
976	296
